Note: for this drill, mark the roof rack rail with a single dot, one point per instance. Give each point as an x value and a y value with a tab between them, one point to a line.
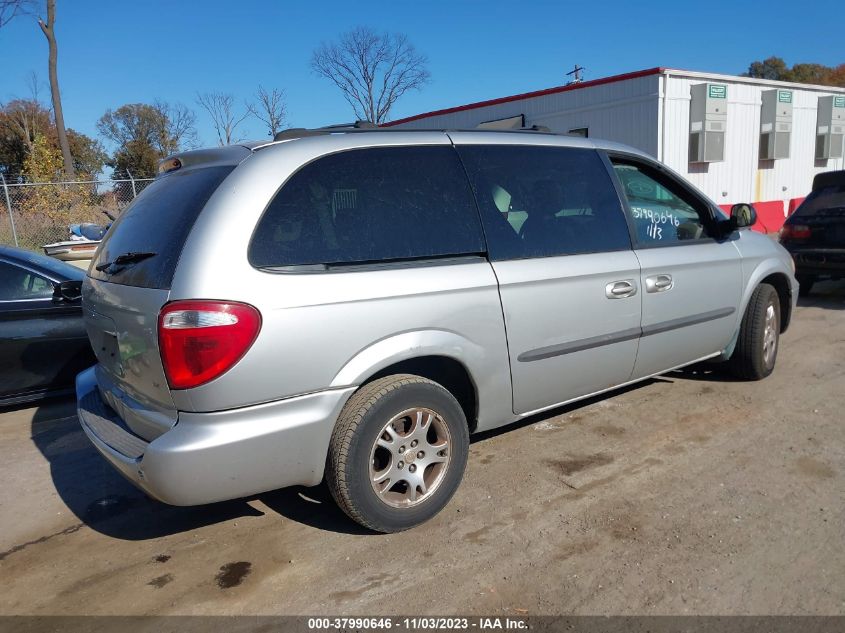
296	132
357	125
299	132
364	126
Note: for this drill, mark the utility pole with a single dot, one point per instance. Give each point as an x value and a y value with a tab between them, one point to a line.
577	79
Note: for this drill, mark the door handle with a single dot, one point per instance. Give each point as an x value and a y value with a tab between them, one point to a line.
620	289
659	283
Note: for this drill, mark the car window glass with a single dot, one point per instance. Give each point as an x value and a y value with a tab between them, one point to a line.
544	201
158	221
370	205
824	201
661	212
18	284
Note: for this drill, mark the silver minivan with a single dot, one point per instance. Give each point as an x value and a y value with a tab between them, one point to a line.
353	305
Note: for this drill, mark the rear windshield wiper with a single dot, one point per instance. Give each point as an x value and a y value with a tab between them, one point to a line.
126	258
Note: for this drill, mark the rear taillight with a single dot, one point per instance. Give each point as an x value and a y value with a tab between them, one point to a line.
200	340
795	232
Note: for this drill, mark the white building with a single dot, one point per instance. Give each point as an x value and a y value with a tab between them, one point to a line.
712	134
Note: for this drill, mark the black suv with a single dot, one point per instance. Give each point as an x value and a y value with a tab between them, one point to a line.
815	234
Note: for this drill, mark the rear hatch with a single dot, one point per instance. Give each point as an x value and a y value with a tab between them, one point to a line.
819	223
129	281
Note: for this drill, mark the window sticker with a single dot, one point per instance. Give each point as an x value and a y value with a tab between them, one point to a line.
657	221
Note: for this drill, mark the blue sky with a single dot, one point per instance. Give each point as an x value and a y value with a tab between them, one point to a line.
112	53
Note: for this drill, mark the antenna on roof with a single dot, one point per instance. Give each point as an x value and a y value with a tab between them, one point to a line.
577	72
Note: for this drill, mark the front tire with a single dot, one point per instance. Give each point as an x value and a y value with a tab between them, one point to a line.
397	453
756	348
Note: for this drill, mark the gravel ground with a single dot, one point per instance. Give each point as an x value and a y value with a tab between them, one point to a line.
688	494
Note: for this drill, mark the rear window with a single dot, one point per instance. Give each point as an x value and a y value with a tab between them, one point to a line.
824	201
370	205
158	221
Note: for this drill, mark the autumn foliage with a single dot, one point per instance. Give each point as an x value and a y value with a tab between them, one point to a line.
775	68
57	204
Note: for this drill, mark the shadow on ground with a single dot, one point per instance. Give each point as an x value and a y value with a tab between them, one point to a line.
102	499
563	410
99	496
825	294
314	507
704	372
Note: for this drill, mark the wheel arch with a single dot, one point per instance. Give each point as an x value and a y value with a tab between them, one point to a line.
781	284
445	357
451	374
772	273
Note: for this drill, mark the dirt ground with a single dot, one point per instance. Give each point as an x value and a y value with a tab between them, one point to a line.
688	494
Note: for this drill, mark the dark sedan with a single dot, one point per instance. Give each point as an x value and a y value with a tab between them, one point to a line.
43	344
815	233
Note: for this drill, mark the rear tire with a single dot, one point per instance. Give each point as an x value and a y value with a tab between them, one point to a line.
805	284
756	348
397	453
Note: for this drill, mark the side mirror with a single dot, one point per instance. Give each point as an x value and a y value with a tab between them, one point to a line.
743	215
70	291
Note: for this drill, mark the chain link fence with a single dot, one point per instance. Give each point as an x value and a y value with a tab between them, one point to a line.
39	213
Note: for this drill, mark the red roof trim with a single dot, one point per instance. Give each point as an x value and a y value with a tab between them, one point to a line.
529	95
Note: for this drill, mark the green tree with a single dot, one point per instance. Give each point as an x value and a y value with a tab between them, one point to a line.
23	120
809	74
774	68
44	162
144	134
89	156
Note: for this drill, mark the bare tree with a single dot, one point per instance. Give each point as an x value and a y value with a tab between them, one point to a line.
10	9
221	108
180	131
372	70
34	85
270	109
23	120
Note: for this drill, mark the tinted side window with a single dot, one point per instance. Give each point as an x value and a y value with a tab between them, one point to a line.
824	201
158	221
18	284
544	201
662	212
370	205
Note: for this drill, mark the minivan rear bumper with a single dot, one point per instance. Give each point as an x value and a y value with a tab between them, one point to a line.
208	457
